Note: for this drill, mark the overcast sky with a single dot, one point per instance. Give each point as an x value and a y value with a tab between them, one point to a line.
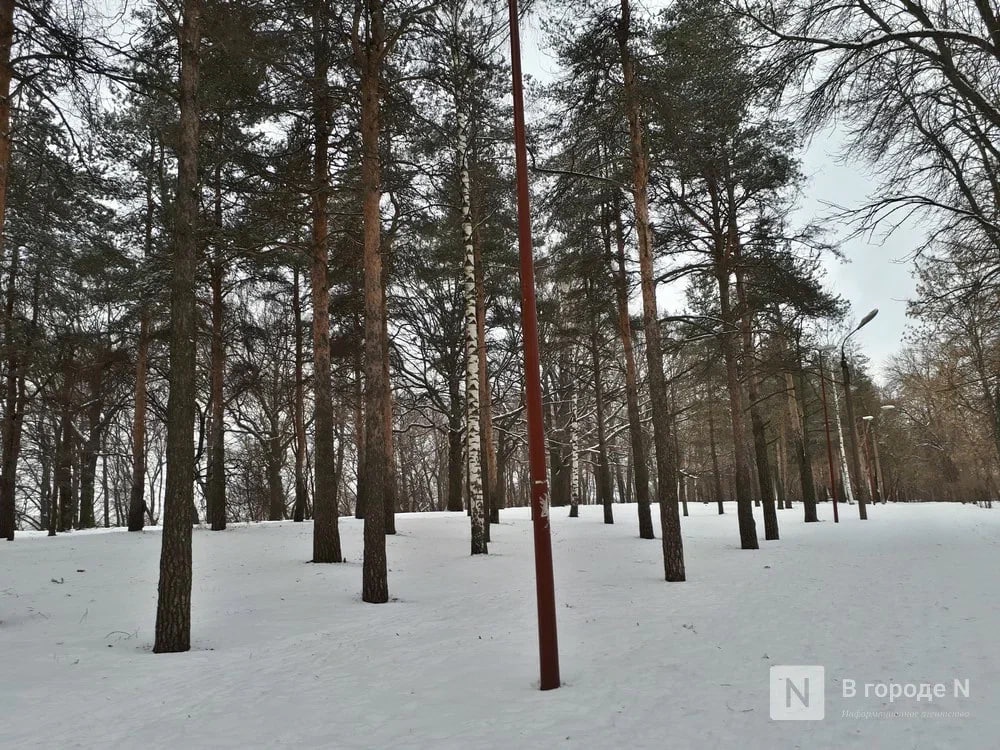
876	272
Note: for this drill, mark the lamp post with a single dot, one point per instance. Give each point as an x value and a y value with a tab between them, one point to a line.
548	649
852	436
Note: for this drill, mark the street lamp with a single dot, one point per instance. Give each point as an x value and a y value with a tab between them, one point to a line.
852	430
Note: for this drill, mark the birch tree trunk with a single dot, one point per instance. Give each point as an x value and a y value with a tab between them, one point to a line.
673	548
473	445
491	492
845	472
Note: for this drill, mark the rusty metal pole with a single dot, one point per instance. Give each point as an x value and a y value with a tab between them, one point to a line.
548	647
829	445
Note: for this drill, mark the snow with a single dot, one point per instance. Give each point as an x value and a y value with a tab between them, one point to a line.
286	655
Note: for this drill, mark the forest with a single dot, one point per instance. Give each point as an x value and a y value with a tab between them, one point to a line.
258	262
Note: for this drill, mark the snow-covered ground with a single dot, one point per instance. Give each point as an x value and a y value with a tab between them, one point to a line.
286	655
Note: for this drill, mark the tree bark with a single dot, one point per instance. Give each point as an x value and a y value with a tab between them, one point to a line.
216	491
275	489
639	466
173	606
91	449
490	491
473	446
359	433
724	251
326	533
299	411
369	52
13	416
455	469
137	505
6	77
574	459
673	548
716	475
800	446
605	493
10	426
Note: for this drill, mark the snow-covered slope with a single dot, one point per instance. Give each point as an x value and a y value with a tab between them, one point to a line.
286	655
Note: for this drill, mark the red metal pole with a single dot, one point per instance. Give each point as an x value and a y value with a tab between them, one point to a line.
829	445
548	647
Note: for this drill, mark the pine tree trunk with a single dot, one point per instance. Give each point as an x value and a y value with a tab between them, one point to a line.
105	496
501	495
716	475
6	76
10	426
359	433
391	489
45	484
682	488
744	499
369	53
88	472
137	504
757	429
299	510
275	490
326	533
762	456
779	474
574	458
54	491
173	606
673	548
216	491
605	493
803	459
64	456
639	465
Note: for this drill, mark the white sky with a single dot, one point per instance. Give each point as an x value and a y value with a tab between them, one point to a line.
876	271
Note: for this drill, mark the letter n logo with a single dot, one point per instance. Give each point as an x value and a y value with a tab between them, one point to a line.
797	693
